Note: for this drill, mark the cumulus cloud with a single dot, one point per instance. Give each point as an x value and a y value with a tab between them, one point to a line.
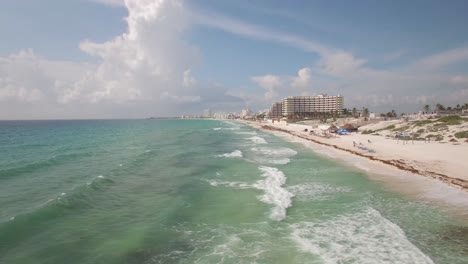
148	67
303	81
280	86
271	83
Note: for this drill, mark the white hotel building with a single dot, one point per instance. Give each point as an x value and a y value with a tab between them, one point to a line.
306	105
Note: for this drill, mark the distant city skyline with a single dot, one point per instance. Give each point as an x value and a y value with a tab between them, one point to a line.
141	58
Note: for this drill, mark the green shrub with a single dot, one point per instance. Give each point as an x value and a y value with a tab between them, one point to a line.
403	128
462	134
389	127
365	132
451	120
422	123
420	131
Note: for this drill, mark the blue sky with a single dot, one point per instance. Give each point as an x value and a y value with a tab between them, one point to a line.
136	58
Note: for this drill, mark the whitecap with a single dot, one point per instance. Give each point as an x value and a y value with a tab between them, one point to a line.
234	154
258	140
363	237
237	185
275	194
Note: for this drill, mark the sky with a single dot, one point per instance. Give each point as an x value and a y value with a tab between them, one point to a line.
139	58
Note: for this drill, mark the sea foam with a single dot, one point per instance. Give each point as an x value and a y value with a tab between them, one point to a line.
315	191
234	154
275	194
257	140
246	133
273	155
362	237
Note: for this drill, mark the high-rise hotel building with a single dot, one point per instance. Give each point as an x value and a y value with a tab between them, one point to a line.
304	105
276	110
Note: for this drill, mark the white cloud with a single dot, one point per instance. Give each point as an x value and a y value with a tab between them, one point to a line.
271	83
340	63
147	68
459	79
189	79
442	59
234	26
110	2
303	81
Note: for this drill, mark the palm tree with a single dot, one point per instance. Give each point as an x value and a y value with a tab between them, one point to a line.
440	107
366	112
394	114
354	111
427	108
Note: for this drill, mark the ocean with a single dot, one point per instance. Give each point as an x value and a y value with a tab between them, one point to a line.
201	191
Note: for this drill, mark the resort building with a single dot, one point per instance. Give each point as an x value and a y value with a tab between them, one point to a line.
276	110
304	106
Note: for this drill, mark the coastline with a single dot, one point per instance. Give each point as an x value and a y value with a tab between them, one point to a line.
412	177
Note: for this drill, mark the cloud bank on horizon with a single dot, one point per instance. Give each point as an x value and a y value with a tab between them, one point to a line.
150	70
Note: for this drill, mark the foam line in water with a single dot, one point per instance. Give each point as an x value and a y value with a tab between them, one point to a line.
234	154
258	140
226	128
237	185
275	194
281	152
363	237
273	155
315	191
246	133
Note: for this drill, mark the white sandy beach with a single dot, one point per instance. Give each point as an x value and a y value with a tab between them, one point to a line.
430	170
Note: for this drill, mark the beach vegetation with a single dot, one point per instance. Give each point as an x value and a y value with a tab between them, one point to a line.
420	131
462	134
365	132
451	120
389	127
402	128
435	137
422	123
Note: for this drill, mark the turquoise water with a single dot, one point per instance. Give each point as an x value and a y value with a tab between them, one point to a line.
199	191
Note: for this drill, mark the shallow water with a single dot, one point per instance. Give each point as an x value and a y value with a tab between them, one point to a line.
199	191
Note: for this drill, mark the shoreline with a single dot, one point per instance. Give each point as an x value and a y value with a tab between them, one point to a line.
463	184
439	189
397	163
